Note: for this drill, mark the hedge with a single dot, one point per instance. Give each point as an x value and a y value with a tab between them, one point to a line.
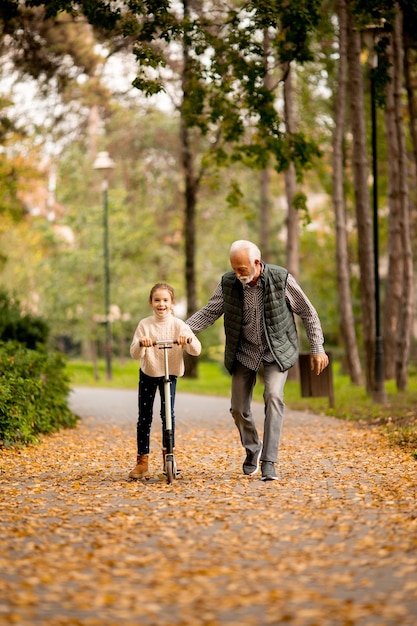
34	390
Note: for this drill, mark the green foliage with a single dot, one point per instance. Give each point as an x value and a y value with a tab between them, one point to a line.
300	204
237	124
12	170
33	394
33	383
235	196
224	71
318	279
28	329
294	21
9	202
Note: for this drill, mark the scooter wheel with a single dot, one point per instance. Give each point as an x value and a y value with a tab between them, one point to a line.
170	471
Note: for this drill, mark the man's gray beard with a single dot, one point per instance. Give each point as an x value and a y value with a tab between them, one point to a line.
245	280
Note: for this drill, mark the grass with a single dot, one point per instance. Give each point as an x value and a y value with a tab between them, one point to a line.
397	418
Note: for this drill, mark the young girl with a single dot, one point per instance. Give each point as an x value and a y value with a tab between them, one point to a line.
159	326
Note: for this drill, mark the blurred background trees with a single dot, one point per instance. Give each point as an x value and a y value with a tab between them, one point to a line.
225	120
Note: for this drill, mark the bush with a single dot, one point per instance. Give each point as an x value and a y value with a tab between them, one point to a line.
28	329
34	388
33	384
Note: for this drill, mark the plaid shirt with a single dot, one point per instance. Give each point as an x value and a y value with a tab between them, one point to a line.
253	347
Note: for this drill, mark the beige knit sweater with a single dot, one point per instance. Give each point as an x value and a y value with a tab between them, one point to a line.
152	359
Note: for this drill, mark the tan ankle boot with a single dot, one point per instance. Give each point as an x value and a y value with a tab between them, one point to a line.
142	466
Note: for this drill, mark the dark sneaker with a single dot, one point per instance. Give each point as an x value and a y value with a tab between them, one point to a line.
251	463
268	471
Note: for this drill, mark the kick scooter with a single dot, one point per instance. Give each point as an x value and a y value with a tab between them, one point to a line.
170	465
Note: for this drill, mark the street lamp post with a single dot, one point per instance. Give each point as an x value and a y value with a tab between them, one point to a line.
379	392
105	164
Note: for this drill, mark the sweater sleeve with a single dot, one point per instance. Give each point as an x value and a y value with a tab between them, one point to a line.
194	347
302	306
211	312
136	350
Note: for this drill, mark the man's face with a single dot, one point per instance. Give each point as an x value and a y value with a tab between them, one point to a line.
245	271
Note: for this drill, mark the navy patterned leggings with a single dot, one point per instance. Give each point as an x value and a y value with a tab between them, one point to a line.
146	397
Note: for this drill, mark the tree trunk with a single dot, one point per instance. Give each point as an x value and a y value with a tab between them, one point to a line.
407	299
409	63
393	288
93	353
93	130
293	226
292	251
264	213
190	201
342	256
411	101
264	201
363	214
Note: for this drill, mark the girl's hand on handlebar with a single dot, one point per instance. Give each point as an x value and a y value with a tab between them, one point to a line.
146	342
184	339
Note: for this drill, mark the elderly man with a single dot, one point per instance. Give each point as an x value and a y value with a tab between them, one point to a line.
258	301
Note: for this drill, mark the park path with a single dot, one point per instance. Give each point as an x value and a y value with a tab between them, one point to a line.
333	542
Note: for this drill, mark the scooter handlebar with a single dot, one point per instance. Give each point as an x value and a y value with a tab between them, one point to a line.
167	342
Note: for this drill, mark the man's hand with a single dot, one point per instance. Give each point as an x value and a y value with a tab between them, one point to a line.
318	362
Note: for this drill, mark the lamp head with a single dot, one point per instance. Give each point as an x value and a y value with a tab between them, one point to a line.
103	162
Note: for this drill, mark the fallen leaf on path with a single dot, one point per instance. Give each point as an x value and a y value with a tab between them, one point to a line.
333	541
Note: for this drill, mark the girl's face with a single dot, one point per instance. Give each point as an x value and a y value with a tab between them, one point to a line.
161	303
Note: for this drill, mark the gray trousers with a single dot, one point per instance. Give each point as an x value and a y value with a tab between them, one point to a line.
243	382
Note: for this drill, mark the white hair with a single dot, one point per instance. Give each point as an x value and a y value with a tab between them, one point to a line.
242	244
